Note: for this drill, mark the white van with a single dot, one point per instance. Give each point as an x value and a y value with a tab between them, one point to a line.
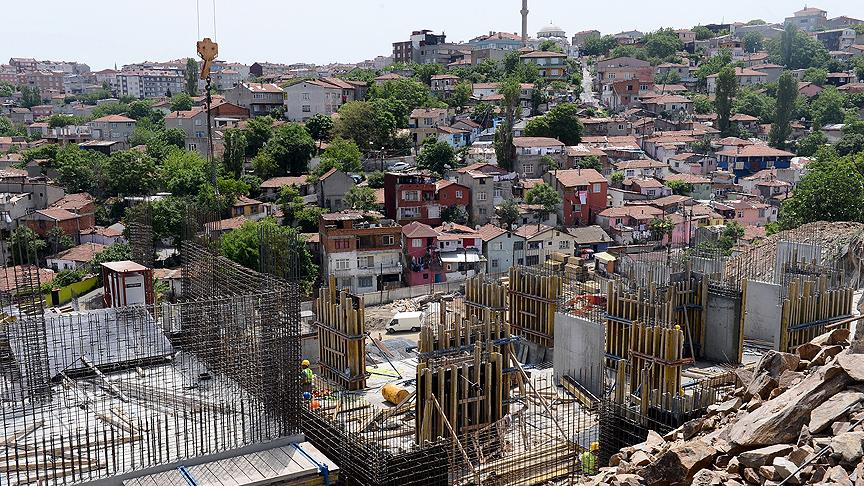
405	321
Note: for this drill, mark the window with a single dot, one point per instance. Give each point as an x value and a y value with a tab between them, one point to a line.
417	243
364	282
387	240
528	168
342	264
342	244
307	108
458	194
518	245
199	134
482	211
410	196
481	196
564	245
305	96
493	263
483	181
498	245
193	146
498	192
366	262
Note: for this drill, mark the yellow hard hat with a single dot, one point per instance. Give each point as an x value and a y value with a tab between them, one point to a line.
677	327
595	446
305	362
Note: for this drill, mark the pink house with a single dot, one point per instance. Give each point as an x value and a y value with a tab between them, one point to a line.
422	260
752	213
682	231
461	251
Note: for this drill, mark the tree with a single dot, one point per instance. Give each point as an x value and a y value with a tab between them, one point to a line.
436	156
340	154
129	173
660	228
243	246
662	43
183	172
832	190
181	102
367	124
727	85
510	91
549	45
58	120
817	76
702	104
296	213
668	77
797	50
590	162
508	214
235	143
712	65
752	41
850	143
455	214
117	252
191	77
6	127
174	137
809	144
598	46
754	103
680	187
561	122
291	147
167	217
320	126
30	96
361	198
828	107
6	89
79	170
258	132
424	72
26	245
545	198
702	32
375	179
787	92
462	93
859	67
409	91
57	240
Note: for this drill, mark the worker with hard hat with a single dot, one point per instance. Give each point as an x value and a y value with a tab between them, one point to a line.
306	376
589	459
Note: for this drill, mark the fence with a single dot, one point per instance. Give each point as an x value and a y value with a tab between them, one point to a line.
67	293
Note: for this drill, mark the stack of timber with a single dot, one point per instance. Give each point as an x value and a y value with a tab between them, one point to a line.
810	309
533	302
341	337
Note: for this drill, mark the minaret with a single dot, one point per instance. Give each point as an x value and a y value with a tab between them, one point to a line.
524	23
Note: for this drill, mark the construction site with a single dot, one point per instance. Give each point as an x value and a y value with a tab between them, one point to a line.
521	378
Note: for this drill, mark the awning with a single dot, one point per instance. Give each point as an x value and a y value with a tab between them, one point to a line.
604	256
460	257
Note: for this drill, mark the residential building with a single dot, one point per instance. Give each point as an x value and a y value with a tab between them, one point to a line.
81	204
107	77
682	71
259	98
43	220
628	37
504	41
691	163
112	128
744	76
46	81
150	83
271	188
702	186
248	208
541	240
460	250
317	97
489	92
834	79
753	213
362	250
424	122
414	49
551	65
670	106
810	19
455	137
332	187
21	116
622	68
529	153
421	197
75	258
641	168
590	238
422	259
749	159
583	193
23	64
194	123
499	247
629	224
443	85
489	185
649	187
579	38
772	71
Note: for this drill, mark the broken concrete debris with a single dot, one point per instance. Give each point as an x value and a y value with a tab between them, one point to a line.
798	420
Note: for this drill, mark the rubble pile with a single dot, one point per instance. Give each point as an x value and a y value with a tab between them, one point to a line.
794	419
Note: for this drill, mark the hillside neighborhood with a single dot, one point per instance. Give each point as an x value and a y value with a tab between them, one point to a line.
444	171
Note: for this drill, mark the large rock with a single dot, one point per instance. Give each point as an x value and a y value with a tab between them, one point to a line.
831	338
808	351
763	456
786	469
780	420
847	447
833	408
775	363
679	463
762	385
853	364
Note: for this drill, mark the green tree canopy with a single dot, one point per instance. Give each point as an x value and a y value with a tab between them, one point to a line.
375	179
191	77
129	173
787	92
828	107
702	104
80	170
561	122
680	187
461	95
662	43
598	46
455	214
258	132
361	198
817	76
368	124
797	50
702	32
291	148
727	85
754	103
183	172
320	126
117	252
233	156
832	190
342	155
181	102
545	198
436	155
508	214
809	144
409	91
753	41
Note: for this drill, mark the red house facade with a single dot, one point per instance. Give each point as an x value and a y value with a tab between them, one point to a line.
583	193
421	197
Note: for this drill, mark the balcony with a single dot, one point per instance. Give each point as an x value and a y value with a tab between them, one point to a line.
378	269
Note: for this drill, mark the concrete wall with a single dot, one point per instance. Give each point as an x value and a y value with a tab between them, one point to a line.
722	328
579	351
387	296
762	312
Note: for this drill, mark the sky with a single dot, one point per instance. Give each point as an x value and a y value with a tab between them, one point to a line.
104	32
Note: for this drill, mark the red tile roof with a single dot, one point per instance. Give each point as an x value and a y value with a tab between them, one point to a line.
755	151
81	253
489	232
416	229
578	177
529	142
114	119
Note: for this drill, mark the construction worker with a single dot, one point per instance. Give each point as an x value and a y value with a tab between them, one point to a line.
589	459
306	376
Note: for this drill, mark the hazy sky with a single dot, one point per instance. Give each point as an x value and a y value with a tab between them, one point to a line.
104	32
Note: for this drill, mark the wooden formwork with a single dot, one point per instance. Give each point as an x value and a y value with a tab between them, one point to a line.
485	298
679	304
341	336
808	308
533	303
458	395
